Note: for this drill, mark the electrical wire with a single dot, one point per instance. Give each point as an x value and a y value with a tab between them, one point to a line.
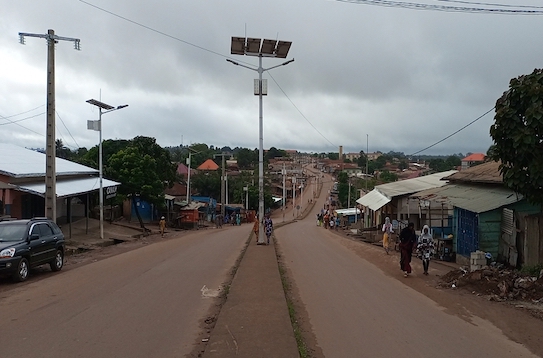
300	112
450	135
19	120
492	4
77	145
28	129
525	10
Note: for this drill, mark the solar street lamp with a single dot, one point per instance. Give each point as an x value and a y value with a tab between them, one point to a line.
260	48
97	126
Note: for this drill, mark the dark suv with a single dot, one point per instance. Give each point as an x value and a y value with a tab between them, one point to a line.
29	243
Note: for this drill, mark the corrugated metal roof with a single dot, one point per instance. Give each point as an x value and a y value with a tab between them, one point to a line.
409	186
67	188
477	199
347	212
374	200
19	162
488	172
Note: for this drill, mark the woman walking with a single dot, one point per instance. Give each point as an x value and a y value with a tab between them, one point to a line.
425	248
268	228
387	234
407	242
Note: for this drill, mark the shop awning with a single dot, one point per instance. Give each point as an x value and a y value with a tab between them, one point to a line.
374	200
67	188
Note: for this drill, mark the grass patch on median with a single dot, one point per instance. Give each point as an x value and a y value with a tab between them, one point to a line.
302	347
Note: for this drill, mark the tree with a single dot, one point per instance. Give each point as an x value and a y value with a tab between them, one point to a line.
518	136
247	158
274	153
361	161
343	188
144	169
388	177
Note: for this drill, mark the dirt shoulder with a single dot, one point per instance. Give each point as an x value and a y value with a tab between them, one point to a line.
521	321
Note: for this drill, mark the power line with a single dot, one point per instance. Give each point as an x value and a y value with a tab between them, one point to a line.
447	137
492	4
58	115
296	107
524	10
18	114
19	120
28	129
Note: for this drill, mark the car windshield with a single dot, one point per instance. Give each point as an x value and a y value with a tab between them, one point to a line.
12	232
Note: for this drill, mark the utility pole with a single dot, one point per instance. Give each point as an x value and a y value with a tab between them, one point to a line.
294	196
284	172
50	152
223	178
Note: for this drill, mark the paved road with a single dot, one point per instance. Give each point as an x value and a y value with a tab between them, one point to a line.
356	310
144	303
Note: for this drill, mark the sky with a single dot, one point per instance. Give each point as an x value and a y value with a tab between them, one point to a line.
366	77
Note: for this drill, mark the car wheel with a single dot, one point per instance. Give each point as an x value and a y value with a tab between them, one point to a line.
58	261
22	271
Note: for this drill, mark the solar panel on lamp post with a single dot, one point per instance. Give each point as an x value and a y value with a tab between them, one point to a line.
97	126
260	48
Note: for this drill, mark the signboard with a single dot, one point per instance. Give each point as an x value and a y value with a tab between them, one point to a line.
111	192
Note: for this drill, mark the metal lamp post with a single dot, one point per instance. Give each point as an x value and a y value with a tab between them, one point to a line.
97	126
261	48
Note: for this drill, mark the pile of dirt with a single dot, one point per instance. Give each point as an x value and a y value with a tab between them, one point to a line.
498	284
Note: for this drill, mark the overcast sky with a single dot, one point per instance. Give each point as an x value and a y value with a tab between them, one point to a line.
394	78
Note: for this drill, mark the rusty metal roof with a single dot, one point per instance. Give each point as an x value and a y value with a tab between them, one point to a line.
488	172
475	198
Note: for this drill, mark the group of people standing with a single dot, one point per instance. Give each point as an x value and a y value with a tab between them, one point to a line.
423	246
327	219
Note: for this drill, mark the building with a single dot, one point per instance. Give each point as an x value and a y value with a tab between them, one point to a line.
472	160
22	182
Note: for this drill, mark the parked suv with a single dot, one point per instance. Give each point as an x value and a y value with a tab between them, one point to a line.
29	243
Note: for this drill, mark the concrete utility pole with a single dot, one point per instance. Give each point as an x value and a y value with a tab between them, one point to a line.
50	152
223	179
284	173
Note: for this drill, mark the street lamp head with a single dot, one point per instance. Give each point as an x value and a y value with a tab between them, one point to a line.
122	106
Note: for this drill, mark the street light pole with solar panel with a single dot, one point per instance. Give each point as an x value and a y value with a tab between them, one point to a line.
260	48
97	126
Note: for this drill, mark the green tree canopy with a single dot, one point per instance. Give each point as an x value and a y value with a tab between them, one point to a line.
518	135
247	158
144	169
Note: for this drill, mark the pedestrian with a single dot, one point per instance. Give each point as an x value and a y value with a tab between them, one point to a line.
425	248
407	242
162	225
318	219
338	222
332	222
255	228
268	228
387	234
238	219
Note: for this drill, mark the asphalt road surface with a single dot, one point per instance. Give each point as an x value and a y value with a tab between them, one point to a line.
148	302
356	310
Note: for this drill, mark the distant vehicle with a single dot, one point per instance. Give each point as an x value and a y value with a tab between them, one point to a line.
29	243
